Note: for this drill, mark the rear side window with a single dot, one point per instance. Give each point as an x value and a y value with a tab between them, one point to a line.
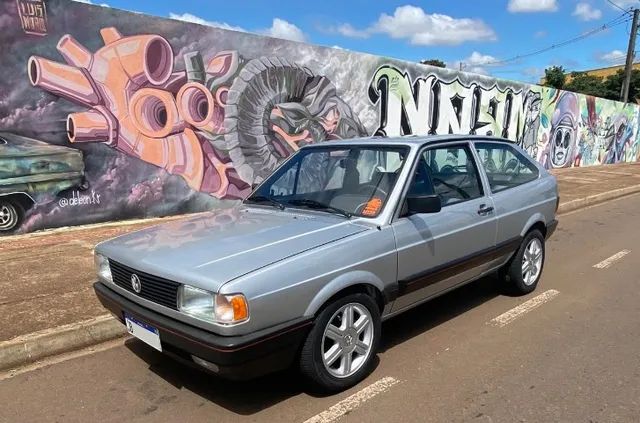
505	166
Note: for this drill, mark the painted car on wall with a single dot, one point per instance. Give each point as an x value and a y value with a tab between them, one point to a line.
305	271
31	171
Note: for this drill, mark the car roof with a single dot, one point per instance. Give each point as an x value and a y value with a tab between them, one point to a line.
409	140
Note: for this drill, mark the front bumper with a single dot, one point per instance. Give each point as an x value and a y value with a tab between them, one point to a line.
235	357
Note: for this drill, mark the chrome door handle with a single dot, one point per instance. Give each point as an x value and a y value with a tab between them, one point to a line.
484	210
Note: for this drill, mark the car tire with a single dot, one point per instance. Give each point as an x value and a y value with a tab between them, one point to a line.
523	271
333	360
11	215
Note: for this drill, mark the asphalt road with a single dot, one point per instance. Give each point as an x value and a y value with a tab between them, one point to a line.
573	358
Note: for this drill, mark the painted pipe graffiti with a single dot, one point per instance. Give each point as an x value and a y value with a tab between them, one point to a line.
221	127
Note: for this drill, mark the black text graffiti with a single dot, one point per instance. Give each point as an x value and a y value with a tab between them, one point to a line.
429	105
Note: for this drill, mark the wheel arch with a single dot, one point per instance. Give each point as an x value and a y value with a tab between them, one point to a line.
536	221
349	283
22	198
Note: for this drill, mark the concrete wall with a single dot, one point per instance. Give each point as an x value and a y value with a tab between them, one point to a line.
171	117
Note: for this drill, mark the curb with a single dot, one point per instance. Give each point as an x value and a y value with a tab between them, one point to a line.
27	349
581	203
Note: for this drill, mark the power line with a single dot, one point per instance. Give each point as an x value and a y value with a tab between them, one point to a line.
617	21
618	6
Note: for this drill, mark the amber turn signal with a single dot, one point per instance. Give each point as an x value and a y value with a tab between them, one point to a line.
240	309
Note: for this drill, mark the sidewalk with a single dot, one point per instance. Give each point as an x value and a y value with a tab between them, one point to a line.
46	277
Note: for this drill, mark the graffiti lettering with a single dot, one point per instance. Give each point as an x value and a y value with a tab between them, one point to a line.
430	105
33	16
78	199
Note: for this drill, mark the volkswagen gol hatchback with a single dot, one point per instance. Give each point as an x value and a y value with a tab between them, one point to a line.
342	236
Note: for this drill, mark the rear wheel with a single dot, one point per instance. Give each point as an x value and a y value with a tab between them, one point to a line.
524	269
11	214
340	349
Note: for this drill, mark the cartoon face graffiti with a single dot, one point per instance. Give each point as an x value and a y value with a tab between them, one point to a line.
532	102
564	127
529	140
620	135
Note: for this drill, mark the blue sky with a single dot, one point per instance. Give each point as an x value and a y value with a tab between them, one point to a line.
476	33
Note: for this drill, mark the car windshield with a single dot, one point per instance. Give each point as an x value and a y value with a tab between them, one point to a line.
349	181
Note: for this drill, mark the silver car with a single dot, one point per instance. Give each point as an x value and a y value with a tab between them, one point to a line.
342	236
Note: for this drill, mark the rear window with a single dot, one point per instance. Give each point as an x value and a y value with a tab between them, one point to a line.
505	166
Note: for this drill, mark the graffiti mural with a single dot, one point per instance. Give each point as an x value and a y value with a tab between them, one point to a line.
107	115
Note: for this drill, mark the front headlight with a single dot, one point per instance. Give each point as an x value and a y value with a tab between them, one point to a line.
205	305
102	268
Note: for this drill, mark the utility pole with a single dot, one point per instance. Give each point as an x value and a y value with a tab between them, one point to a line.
628	68
461	66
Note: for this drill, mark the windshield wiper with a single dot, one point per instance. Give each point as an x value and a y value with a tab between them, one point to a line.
265	199
318	205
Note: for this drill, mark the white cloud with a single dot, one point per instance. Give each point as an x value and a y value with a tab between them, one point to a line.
188	17
279	27
586	12
527	6
285	30
475	63
613	57
349	31
90	2
421	28
540	34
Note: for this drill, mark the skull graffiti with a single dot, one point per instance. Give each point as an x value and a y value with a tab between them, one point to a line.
564	126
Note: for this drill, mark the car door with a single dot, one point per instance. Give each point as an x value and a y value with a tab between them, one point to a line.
513	185
439	251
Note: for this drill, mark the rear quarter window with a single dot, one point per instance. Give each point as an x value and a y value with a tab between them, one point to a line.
505	166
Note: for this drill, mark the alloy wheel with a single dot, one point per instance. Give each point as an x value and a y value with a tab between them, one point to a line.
347	340
532	261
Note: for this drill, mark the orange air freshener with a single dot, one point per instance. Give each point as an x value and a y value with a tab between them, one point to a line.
373	207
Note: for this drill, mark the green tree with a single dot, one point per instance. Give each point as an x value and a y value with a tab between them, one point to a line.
434	62
555	77
583	83
612	86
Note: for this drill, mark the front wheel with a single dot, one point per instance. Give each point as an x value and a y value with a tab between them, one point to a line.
10	215
340	350
524	269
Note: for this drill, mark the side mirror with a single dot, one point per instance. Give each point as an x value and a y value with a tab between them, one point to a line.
423	204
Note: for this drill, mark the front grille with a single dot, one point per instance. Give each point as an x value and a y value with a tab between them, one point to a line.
158	290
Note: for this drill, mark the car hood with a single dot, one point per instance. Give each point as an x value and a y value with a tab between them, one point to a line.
208	250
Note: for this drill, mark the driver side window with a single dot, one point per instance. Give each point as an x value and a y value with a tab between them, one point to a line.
453	173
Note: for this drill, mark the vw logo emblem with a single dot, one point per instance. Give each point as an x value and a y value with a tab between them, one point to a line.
135	283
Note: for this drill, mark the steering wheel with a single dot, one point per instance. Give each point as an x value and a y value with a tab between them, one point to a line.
447	169
511	166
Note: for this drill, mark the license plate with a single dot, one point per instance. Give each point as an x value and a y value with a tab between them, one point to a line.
143	331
